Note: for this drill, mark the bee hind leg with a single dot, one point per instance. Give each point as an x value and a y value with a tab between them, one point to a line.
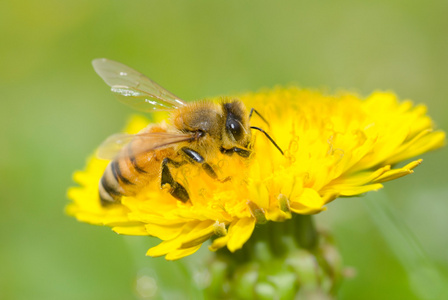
176	190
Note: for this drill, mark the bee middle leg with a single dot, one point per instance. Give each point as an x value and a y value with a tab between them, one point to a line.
197	158
177	190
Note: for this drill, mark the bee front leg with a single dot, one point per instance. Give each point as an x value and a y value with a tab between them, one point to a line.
197	158
240	151
176	190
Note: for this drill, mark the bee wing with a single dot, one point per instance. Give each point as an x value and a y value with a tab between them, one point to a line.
143	142
135	89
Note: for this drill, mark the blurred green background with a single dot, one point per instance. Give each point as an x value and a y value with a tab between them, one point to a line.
55	110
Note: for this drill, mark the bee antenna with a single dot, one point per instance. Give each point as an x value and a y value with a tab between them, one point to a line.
252	110
267	135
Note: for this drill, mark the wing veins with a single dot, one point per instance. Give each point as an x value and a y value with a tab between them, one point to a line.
114	145
143	94
119	76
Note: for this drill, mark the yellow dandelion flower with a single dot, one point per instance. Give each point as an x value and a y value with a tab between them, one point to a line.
334	146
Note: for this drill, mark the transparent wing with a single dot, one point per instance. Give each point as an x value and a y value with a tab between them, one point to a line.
144	142
135	89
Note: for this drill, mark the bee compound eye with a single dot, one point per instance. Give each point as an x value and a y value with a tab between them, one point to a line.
235	128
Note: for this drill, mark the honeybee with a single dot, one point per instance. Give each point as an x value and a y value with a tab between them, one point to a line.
199	131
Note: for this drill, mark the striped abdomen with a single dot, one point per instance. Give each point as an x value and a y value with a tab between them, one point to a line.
128	174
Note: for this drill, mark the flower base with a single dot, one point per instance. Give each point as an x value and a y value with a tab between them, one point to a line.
282	260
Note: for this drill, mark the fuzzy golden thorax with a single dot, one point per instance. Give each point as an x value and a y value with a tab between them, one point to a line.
225	125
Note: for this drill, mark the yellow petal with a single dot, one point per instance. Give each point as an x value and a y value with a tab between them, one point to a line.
397	173
424	143
192	234
219	243
199	234
310	202
177	254
239	233
165	232
164	247
130	230
358	190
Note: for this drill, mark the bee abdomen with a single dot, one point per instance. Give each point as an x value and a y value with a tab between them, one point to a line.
109	185
108	195
134	163
118	176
